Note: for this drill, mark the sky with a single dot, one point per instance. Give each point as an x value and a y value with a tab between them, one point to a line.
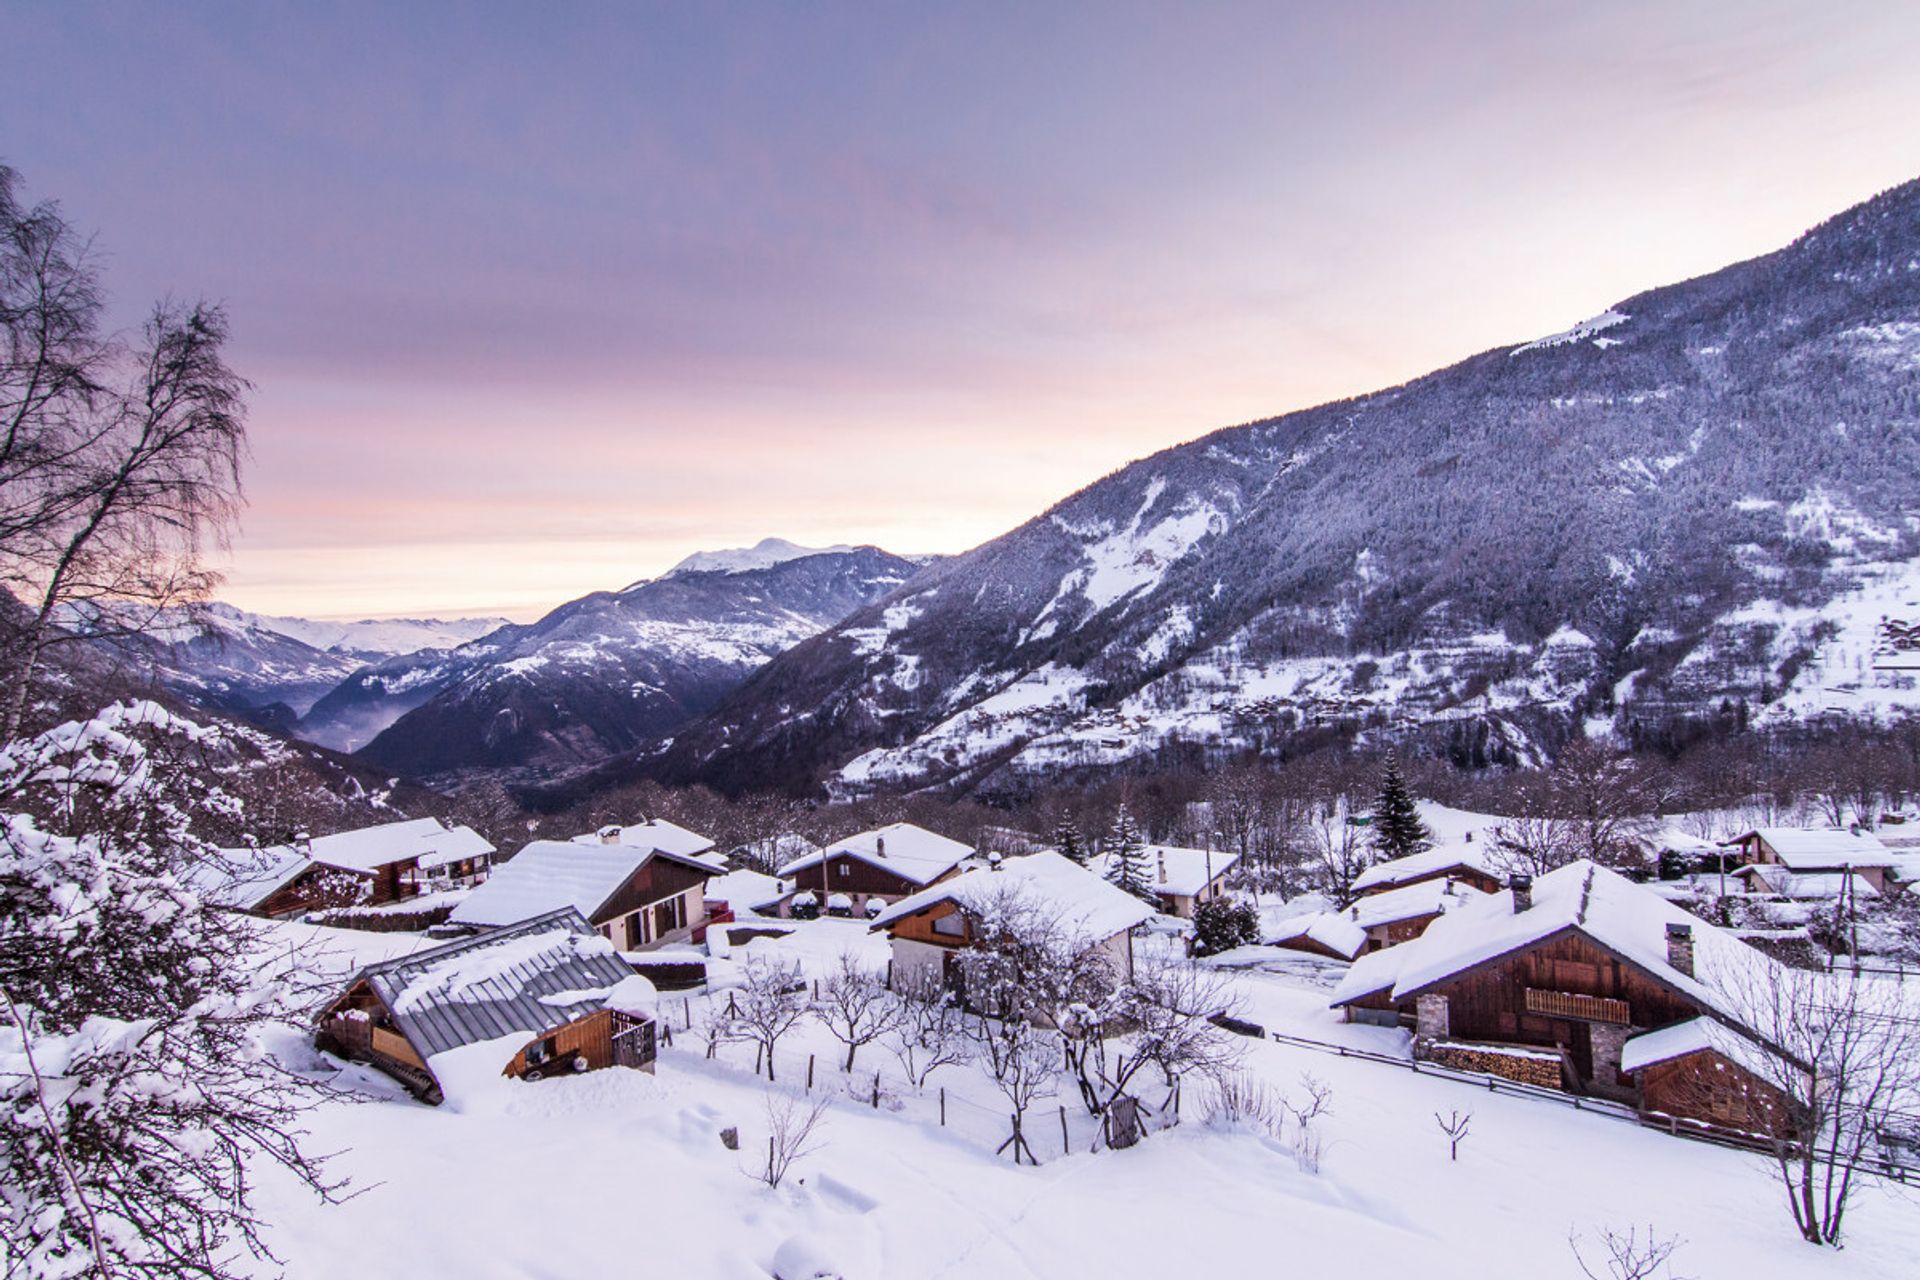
538	299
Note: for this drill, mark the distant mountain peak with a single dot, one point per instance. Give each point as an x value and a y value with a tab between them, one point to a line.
762	555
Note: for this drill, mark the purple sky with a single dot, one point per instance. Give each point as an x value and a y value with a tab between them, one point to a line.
541	299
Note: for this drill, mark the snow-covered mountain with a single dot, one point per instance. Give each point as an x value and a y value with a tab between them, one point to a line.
599	675
275	668
1697	504
762	555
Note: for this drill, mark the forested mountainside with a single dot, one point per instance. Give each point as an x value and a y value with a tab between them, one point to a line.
1696	503
602	674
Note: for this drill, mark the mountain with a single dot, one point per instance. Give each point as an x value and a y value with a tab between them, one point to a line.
272	669
602	674
1695	504
762	555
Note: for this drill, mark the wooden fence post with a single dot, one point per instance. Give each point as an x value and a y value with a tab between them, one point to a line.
943	1106
1066	1146
876	1091
809	1073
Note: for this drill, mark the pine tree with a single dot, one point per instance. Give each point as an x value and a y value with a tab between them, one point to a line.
1397	831
1129	866
1066	838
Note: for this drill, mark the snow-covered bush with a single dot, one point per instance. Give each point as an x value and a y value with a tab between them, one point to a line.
1221	924
136	1078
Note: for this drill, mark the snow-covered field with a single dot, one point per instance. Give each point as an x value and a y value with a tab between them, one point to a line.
620	1173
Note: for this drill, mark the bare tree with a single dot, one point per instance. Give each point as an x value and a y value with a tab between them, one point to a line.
1838	1068
1339	853
793	1125
1024	1061
1628	1255
120	461
770	1002
929	1029
1455	1125
855	1005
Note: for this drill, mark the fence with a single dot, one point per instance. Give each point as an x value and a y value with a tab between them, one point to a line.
964	1103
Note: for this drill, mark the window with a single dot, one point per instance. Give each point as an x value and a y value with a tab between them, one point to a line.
635	931
846	870
669	915
950	925
540	1051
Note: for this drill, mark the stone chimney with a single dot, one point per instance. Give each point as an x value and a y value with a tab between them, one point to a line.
303	841
994	861
879	846
1522	885
610	834
1680	947
1163	866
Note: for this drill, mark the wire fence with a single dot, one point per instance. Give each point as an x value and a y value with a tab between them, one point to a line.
958	1099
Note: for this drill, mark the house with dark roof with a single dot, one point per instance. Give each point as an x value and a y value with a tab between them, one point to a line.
1577	980
552	992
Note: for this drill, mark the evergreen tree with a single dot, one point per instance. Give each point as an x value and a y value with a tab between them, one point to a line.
1397	831
1129	866
1066	838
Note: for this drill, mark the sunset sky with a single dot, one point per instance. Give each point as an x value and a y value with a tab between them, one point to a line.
538	299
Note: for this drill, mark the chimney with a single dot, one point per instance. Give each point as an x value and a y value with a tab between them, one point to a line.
1163	866
1522	886
879	846
1680	947
303	840
610	834
993	861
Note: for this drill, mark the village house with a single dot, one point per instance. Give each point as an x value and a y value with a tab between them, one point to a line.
1374	922
651	833
931	928
1182	878
1833	851
638	898
851	876
370	866
1463	865
1577	980
1771	880
549	995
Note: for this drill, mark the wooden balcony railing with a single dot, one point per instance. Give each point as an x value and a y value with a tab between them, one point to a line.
1568	1004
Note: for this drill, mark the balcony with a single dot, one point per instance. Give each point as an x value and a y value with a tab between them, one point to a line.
1568	1004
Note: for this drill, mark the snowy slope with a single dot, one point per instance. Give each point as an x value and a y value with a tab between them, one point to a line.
762	555
1695	504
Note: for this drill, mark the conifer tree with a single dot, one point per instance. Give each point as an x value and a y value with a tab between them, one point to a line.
1397	831
1066	839
1128	865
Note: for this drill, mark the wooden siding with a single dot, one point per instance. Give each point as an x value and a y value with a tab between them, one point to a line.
1485	881
918	927
592	1040
316	889
1709	1090
852	876
657	880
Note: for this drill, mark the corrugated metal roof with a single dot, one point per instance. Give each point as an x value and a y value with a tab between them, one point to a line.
525	979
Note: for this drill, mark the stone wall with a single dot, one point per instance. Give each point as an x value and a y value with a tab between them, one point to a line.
1542	1070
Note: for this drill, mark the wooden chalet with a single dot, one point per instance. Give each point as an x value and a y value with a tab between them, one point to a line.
1462	865
931	928
862	873
1552	980
1834	851
638	898
370	866
1330	934
551	983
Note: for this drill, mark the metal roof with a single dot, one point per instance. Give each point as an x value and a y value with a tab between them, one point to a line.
524	980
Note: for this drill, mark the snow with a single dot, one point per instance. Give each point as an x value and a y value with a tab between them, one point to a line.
764	554
1803	849
429	840
549	874
1410	902
1178	871
1085	904
1330	929
1443	858
1582	332
581	1175
635	996
1696	1035
744	891
911	852
654	833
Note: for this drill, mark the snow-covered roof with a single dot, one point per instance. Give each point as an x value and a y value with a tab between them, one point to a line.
1805	886
1813	849
1081	901
1330	929
537	975
1696	1035
1369	975
367	849
745	890
550	874
1607	908
243	878
1179	872
912	853
1410	902
1417	866
654	833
